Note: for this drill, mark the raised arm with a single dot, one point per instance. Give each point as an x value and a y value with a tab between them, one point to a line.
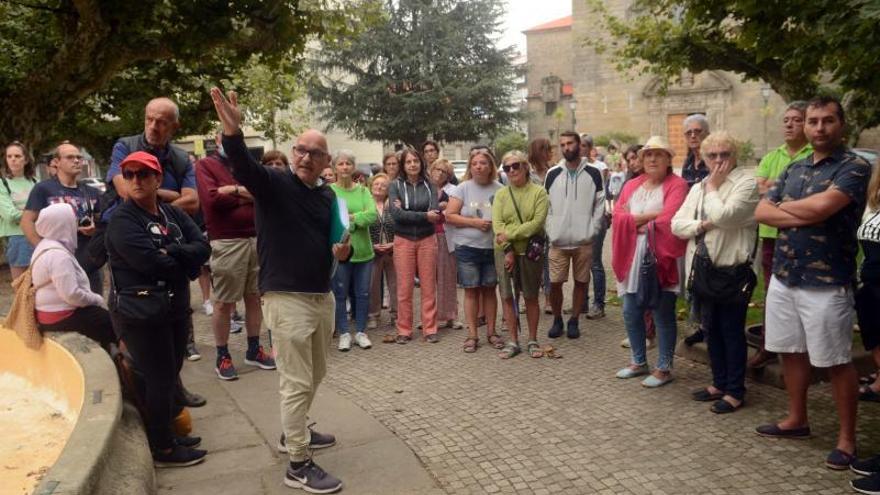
246	169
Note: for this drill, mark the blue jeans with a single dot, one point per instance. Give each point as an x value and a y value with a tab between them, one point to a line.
598	270
664	320
725	331
354	276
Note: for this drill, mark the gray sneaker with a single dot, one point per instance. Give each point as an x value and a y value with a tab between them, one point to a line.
317	440
596	313
311	478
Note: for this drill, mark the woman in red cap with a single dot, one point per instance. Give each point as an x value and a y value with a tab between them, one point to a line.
154	249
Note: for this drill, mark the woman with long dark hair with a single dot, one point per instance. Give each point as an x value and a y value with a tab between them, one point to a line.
18	180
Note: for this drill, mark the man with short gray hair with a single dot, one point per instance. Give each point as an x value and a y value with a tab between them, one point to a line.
696	128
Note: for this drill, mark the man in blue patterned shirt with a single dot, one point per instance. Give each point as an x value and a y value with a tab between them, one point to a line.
816	204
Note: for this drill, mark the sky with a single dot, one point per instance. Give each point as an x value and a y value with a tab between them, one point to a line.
524	14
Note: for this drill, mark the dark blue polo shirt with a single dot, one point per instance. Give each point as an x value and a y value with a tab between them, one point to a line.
822	254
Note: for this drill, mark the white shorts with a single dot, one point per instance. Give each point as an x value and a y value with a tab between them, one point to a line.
818	321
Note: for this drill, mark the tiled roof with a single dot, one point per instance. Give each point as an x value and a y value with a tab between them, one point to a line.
564	22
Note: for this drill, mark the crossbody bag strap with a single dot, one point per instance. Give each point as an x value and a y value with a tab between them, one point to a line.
515	206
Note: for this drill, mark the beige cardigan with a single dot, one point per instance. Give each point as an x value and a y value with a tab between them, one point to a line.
731	209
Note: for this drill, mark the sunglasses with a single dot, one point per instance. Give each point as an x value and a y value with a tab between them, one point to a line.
724	155
141	174
512	166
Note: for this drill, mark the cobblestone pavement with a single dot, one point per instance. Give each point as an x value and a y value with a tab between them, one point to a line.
484	425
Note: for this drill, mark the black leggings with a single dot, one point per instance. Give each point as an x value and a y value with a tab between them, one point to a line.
91	321
158	351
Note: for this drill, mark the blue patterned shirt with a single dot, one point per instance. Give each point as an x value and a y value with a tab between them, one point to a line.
822	254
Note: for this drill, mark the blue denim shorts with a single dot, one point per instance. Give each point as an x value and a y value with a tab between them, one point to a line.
18	251
476	267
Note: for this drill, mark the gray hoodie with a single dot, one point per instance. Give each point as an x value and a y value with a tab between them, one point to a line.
415	200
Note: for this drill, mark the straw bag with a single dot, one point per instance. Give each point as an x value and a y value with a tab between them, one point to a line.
22	316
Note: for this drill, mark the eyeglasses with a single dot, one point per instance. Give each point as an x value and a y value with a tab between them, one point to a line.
723	155
693	132
143	173
73	158
513	166
302	151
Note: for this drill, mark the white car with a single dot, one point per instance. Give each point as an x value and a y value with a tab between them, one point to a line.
459	167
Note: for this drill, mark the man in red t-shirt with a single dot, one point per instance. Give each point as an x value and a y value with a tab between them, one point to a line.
228	208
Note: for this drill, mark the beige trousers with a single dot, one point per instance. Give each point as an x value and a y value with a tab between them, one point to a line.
302	327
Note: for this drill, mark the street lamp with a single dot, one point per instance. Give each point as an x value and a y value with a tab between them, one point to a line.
765	93
572	105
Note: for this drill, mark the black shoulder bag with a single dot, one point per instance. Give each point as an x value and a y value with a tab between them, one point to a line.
535	246
648	291
726	284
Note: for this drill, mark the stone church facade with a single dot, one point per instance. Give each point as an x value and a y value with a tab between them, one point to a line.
570	85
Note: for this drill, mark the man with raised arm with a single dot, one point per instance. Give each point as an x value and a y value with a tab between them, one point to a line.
298	235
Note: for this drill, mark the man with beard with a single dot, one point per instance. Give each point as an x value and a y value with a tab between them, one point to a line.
577	205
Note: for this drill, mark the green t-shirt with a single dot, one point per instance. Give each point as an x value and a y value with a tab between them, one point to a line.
12	202
360	203
771	167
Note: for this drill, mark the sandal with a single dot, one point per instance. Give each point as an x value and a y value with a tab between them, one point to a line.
510	350
534	349
402	339
495	341
470	344
867	394
864	380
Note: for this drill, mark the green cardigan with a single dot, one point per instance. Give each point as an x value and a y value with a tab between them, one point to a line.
533	205
360	203
12	206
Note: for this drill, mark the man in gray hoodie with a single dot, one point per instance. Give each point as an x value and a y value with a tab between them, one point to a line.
577	203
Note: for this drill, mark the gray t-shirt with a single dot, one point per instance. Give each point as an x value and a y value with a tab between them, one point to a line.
476	202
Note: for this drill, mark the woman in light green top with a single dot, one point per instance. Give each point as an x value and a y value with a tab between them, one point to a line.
18	180
518	213
353	277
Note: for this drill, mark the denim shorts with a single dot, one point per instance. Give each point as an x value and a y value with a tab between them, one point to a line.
18	251
476	267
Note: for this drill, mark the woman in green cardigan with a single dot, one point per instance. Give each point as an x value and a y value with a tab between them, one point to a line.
518	213
355	273
18	180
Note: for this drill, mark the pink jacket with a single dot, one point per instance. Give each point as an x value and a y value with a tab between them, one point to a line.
62	285
667	247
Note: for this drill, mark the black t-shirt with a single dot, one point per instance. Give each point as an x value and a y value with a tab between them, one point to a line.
83	199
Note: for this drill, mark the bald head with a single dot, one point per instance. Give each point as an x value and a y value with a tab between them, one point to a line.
161	121
310	156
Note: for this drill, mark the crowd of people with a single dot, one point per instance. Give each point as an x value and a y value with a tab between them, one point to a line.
315	246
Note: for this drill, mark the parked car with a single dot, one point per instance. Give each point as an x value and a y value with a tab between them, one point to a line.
460	167
94	182
872	156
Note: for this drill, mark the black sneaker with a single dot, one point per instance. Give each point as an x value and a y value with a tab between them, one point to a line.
185	398
188	441
178	457
556	330
572	331
311	478
866	467
869	485
192	354
318	440
694	338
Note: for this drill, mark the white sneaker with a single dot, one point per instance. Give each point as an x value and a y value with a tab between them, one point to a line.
208	308
362	340
625	343
344	344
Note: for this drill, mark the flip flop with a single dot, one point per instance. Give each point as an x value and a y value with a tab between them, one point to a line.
534	349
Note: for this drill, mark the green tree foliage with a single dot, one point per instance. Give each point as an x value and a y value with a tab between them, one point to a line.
430	68
509	141
799	47
83	70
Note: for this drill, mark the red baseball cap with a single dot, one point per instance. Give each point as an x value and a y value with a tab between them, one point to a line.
143	158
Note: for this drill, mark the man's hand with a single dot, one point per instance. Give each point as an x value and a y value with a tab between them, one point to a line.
342	250
167	195
89	231
226	190
227	110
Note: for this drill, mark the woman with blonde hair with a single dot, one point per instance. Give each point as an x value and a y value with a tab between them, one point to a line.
718	220
353	275
518	215
441	172
470	210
